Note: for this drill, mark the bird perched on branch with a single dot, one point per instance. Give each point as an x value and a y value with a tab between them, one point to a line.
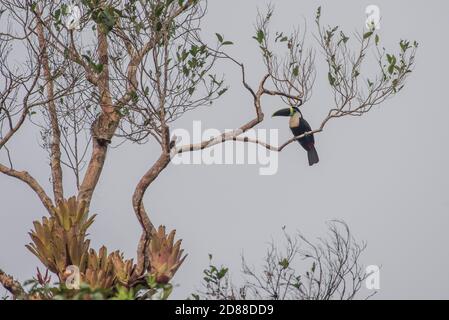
299	126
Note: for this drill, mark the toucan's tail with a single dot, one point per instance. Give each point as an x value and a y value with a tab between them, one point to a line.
313	156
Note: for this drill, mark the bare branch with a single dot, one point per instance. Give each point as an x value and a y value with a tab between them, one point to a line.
326	269
32	183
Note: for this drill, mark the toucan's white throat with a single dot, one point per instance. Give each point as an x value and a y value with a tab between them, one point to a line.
294	120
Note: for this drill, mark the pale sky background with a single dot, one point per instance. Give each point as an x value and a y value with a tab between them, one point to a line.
385	174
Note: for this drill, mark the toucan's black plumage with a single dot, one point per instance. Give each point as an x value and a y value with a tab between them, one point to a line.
308	142
299	126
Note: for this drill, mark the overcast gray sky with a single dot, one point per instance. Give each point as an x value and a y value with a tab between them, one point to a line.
385	174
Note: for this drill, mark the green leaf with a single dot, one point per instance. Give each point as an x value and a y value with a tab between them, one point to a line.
134	96
185	70
344	38
166	292
227	43
64	9
87	58
367	35
331	79
222	273
391	59
391	69
395	82
284	263
159	10
404	45
98	68
219	37
57	14
296	71
259	36
222	92
318	14
377	39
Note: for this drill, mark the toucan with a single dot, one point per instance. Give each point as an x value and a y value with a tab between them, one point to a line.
299	126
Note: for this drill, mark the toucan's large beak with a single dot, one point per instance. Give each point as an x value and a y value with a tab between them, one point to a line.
282	113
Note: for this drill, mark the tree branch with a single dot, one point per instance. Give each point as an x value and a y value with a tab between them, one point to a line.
55	150
139	209
104	127
32	183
